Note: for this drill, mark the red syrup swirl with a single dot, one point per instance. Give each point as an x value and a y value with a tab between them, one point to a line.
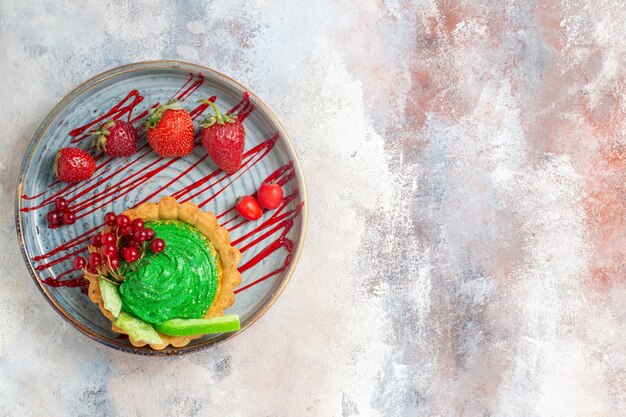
80	281
114	113
118	110
250	158
94	182
122	108
127	183
278	219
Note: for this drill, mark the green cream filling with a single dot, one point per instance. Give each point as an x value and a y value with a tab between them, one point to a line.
180	282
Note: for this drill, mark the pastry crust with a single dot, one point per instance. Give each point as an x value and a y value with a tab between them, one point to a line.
169	209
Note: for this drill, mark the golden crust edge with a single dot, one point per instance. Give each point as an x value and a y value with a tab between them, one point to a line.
206	222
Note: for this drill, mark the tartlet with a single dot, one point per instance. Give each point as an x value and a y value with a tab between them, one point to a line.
194	225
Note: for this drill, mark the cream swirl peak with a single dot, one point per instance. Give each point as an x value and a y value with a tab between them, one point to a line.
180	282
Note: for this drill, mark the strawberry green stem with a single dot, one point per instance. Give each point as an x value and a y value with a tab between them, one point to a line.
155	114
100	140
219	118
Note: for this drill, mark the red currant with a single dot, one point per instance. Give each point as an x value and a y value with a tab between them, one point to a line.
60	204
109	250
131	254
270	195
141	235
157	245
92	270
54	218
134	244
108	238
122	221
113	263
137	224
95	241
69	217
149	234
79	263
94	260
109	218
126	231
248	208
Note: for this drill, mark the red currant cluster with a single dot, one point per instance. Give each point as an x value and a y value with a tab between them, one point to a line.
126	239
60	215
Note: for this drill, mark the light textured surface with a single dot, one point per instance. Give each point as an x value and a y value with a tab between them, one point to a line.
466	251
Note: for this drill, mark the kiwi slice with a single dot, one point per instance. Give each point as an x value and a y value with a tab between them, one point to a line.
195	327
137	329
111	297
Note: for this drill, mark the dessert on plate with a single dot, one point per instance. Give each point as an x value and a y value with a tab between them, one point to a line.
164	273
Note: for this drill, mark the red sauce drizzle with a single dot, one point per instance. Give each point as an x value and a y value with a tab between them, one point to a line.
280	220
80	281
114	113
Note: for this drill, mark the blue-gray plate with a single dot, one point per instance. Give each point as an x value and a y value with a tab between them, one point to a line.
271	246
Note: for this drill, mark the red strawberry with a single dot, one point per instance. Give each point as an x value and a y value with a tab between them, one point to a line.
116	138
170	130
73	165
224	139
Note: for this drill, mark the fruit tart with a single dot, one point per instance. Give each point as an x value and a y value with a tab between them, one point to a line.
164	273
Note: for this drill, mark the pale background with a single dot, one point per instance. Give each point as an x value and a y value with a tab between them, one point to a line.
466	168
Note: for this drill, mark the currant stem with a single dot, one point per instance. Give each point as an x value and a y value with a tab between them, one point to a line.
108	280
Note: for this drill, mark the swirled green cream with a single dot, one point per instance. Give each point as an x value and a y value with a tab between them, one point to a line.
179	282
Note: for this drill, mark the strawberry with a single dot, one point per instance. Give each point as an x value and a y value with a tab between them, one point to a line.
224	139
73	165
170	130
116	138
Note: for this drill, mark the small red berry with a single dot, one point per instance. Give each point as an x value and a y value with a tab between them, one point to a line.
109	250
157	245
140	235
60	204
94	260
69	217
126	231
122	221
108	238
95	241
137	224
112	263
270	195
109	219
92	270
79	263
134	244
54	218
248	208
131	254
150	234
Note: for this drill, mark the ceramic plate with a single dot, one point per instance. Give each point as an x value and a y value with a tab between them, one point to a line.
270	246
